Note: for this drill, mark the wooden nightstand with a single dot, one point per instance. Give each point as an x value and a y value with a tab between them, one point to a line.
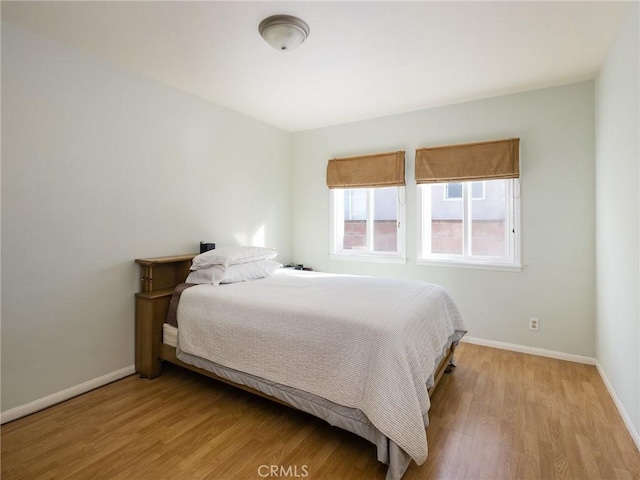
158	277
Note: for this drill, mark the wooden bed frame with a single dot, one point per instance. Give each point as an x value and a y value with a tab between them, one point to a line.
158	277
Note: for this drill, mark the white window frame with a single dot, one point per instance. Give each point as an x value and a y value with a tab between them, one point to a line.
510	262
336	220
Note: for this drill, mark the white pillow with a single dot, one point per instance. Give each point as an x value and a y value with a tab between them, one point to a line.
232	256
241	272
212	274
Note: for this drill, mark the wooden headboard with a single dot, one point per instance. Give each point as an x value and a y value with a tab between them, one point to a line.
158	278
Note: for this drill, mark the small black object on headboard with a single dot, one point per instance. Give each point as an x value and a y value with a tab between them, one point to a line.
205	247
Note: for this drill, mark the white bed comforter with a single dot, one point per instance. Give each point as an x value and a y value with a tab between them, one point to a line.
363	342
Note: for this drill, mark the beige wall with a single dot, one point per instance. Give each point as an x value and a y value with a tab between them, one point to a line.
618	217
556	285
101	166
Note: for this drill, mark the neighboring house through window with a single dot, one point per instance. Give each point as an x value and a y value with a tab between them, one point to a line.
469	204
368	221
475	229
453	190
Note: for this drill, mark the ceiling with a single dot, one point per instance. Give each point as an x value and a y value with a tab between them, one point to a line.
362	59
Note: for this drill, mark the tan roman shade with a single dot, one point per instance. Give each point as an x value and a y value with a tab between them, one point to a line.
469	161
379	170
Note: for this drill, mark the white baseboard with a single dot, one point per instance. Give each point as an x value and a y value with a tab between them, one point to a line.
623	413
541	352
48	401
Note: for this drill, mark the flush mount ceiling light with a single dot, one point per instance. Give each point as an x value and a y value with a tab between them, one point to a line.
283	32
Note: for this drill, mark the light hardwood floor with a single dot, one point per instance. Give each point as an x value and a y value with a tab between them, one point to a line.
498	415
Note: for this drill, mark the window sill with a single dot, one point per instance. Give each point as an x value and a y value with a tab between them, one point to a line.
368	258
469	264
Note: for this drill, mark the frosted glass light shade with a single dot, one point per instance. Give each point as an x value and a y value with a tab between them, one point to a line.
284	32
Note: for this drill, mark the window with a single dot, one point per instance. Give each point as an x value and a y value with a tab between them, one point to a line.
368	222
481	228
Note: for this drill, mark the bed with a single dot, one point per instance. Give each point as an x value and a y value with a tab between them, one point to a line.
318	350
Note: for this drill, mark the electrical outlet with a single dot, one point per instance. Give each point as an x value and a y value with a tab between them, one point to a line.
534	324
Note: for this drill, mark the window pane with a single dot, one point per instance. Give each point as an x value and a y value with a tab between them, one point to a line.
454	190
355	219
446	221
477	190
355	204
488	221
385	225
